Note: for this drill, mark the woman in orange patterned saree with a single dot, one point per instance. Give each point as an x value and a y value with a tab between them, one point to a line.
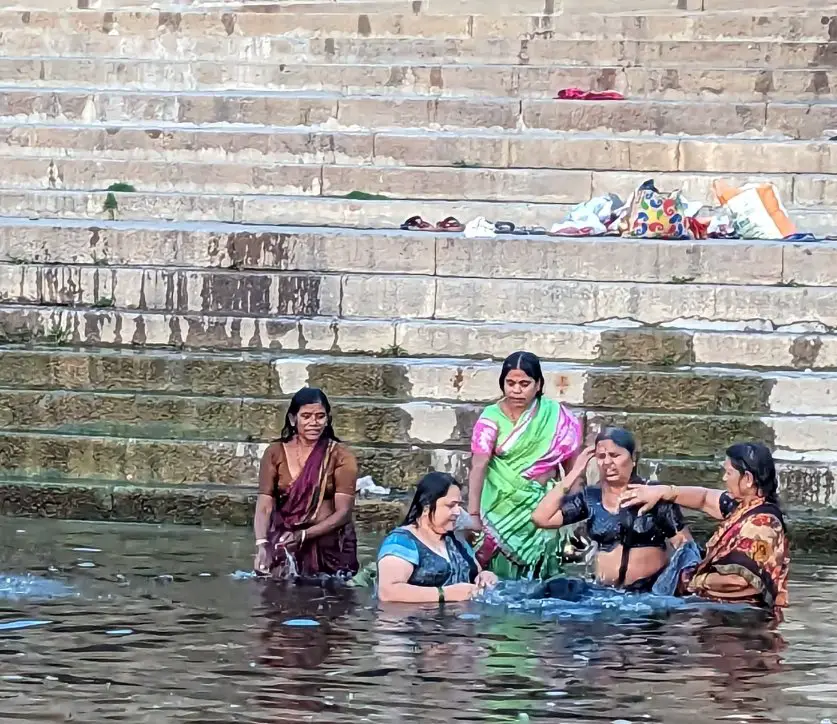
747	559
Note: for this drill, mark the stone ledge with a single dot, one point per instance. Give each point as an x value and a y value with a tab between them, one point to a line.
814	532
462	79
146	504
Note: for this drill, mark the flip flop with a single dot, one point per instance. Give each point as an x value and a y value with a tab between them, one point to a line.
451	223
504	227
416	223
530	230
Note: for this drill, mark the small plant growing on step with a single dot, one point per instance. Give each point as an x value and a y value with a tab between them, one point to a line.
57	334
393	350
103	302
111	206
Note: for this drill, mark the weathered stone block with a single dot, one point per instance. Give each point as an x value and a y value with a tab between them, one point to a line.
677	391
388	296
693	436
55	500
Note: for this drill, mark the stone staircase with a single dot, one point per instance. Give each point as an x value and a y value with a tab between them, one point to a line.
150	346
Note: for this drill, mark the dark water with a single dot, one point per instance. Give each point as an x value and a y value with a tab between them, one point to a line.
147	624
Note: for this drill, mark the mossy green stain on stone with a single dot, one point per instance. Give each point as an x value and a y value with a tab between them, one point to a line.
688	436
705	473
356	379
683	391
659	347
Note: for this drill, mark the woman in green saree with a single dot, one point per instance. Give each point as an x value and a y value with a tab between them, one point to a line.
518	445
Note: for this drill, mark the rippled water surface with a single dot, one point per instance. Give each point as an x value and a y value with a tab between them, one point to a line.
148	624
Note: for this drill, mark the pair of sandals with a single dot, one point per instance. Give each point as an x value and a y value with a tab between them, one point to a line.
507	227
416	223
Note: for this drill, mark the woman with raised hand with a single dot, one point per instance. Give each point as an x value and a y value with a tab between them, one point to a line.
632	542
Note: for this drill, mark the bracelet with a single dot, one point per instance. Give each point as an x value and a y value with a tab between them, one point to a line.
674	490
441	594
303	536
261	541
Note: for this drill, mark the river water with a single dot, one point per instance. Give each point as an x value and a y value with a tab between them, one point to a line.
130	623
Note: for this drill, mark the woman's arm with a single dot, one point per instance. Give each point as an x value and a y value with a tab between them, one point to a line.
476	479
694	498
706	500
265	500
393	574
343	506
261	518
548	514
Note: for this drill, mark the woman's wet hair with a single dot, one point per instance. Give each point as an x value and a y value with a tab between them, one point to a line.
525	362
307	396
625	439
756	459
429	491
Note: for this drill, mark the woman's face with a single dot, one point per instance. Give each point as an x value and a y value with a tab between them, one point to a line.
448	509
739	486
615	463
310	422
519	388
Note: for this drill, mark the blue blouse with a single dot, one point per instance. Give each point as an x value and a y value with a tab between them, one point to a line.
429	568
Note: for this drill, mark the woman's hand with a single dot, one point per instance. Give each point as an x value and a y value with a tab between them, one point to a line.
261	562
581	462
292	540
486	579
645	496
475	523
461	591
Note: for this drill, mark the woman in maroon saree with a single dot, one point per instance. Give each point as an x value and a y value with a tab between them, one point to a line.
306	495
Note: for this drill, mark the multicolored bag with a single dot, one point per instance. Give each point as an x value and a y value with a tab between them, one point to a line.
655	215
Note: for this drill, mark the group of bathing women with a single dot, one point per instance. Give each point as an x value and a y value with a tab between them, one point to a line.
528	481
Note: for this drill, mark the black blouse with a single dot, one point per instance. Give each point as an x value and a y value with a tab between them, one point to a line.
649	530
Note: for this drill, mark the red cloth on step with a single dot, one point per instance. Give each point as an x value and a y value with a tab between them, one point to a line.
576	94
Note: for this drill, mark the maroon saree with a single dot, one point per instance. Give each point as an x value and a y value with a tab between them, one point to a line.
334	553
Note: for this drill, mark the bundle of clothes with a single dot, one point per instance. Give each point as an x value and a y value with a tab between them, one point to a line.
753	211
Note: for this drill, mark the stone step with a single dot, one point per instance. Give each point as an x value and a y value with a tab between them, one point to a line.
523	185
81	263
158	110
307	211
197	462
547	7
394	427
185	504
275	376
54	27
217	504
85	459
266	295
745	344
523	51
388	79
494	149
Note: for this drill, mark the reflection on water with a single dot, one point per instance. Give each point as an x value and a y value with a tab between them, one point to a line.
149	624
